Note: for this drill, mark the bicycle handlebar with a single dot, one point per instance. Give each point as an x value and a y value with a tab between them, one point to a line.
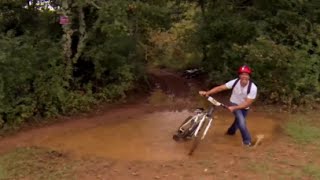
215	102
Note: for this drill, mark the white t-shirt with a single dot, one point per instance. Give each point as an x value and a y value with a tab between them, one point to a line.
239	93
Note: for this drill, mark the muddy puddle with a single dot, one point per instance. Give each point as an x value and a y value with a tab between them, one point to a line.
149	136
142	132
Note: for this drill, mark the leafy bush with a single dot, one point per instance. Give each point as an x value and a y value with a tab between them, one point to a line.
285	75
33	80
279	40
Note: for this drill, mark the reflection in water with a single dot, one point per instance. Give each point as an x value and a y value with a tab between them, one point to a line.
149	136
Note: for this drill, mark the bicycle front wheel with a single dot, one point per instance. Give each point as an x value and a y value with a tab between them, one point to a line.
198	137
184	129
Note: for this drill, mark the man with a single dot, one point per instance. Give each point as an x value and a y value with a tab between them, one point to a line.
243	94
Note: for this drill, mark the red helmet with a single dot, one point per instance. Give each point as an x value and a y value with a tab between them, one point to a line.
244	69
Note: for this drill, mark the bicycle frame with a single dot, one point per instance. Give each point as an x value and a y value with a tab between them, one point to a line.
199	118
195	118
197	126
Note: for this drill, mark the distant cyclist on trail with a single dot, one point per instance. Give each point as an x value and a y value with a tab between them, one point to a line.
244	91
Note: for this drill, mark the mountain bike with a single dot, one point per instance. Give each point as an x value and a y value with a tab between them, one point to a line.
196	127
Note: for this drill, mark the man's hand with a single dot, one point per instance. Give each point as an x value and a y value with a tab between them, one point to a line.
213	90
203	93
244	105
232	108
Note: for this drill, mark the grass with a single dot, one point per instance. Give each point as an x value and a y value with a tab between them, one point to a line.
35	163
259	167
302	130
3	174
312	170
269	170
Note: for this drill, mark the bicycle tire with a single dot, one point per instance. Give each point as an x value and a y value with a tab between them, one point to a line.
187	119
197	139
182	135
191	130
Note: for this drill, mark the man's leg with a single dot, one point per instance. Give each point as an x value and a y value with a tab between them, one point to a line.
241	124
233	128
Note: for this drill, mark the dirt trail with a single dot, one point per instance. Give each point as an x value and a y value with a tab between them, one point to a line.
134	141
140	131
149	138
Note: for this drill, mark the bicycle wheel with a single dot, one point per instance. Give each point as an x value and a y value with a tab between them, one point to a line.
197	138
184	129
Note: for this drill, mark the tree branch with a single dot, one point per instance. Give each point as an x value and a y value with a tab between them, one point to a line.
94	4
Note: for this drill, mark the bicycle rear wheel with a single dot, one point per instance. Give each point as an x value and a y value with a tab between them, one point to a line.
197	138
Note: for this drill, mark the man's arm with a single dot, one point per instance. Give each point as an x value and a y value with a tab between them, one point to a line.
214	90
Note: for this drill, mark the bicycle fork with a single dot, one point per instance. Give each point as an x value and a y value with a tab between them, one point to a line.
209	124
200	125
207	128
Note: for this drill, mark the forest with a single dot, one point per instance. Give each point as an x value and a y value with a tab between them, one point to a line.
58	57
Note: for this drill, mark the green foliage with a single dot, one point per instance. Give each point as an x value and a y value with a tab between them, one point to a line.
173	48
20	18
33	80
221	28
286	75
166	49
36	79
279	39
111	42
153	15
112	55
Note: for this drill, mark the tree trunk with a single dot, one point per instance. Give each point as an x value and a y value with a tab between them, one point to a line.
67	36
82	35
204	19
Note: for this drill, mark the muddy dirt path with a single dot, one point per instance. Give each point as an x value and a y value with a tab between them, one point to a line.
134	141
133	133
142	131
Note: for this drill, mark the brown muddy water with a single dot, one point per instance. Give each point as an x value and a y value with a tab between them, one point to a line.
149	136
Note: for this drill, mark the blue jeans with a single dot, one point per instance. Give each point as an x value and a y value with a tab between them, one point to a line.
240	123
